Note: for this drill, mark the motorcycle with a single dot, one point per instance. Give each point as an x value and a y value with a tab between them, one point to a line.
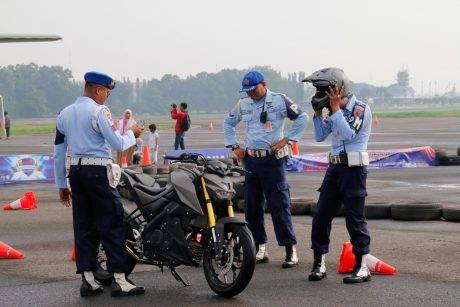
190	222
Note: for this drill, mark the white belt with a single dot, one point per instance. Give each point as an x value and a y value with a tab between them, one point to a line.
89	161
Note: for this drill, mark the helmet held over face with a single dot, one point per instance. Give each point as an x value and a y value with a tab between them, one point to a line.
322	80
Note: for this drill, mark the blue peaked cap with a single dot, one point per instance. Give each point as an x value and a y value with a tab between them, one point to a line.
251	80
100	78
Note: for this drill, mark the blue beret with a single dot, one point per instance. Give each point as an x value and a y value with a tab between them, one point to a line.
100	78
251	80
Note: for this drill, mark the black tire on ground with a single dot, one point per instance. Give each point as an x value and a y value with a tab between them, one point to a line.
439	153
451	213
301	206
162	179
246	266
150	169
241	206
416	211
340	210
163	169
450	160
377	210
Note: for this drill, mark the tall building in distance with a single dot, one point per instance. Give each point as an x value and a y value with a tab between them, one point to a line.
401	89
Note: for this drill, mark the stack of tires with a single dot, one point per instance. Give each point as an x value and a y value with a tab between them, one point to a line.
444	159
402	211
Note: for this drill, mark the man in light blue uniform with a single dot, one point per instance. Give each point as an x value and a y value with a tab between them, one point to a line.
264	113
85	132
349	124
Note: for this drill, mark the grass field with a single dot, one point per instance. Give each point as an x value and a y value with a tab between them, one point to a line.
419	114
27	129
165	122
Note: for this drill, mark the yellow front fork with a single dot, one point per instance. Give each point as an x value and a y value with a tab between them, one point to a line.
210	209
230	209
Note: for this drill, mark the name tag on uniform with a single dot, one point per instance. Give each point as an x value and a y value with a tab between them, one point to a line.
268	126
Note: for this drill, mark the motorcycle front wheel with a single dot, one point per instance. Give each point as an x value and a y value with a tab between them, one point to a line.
230	274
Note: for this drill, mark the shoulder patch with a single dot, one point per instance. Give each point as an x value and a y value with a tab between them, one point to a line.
236	110
358	111
292	109
356	120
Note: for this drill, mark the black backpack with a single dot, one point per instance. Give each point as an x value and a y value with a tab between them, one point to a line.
186	122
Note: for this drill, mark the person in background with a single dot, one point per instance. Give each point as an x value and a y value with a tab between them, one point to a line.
153	143
123	125
138	151
7	125
181	118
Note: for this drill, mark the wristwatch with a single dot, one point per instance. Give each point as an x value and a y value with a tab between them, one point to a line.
235	146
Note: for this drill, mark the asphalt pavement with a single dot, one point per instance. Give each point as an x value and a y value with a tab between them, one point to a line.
426	254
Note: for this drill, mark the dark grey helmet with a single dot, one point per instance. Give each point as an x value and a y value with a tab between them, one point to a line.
322	80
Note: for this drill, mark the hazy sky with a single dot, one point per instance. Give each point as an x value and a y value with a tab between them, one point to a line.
370	40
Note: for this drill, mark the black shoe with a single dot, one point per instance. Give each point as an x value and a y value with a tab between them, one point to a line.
318	271
360	272
87	290
291	259
118	291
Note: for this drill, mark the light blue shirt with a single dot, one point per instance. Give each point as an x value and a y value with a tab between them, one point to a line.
350	127
258	135
86	129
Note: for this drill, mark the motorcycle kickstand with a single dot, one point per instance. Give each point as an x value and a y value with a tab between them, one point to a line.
178	277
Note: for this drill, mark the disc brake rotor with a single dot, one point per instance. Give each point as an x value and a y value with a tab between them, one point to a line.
224	268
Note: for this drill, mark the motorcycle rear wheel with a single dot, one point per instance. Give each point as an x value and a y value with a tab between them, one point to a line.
238	255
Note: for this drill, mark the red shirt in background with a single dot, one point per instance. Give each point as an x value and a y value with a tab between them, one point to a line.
178	116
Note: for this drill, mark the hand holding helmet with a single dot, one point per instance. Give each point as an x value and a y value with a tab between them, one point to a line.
335	98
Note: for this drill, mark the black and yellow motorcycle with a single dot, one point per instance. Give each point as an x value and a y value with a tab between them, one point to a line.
188	222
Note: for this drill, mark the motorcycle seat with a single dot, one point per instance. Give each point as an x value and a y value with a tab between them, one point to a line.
142	178
149	190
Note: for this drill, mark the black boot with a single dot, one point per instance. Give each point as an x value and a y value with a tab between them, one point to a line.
318	271
87	289
122	286
291	257
360	272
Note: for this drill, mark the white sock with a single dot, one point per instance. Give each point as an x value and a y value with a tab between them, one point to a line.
125	285
90	280
363	270
322	269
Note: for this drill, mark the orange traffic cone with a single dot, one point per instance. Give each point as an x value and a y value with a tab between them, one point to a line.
146	156
27	202
123	161
295	149
376	265
8	252
376	120
73	254
347	259
210	126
